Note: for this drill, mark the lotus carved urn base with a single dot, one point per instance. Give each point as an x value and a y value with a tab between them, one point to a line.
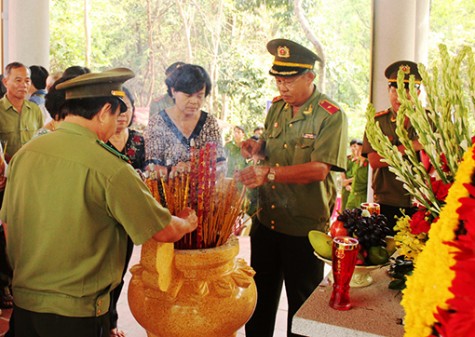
191	293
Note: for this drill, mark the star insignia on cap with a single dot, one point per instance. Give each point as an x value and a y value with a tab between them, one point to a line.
406	69
283	51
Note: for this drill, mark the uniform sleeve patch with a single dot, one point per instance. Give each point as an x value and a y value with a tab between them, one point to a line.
329	107
276	99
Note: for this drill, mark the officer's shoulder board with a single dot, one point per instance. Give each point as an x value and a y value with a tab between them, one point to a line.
328	106
113	151
381	113
276	99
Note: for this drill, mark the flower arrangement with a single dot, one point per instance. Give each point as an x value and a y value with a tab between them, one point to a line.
218	202
412	231
439	237
446	266
443	130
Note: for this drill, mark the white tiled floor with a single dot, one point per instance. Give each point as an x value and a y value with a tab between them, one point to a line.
128	323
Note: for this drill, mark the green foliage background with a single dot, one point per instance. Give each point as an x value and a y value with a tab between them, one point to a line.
228	38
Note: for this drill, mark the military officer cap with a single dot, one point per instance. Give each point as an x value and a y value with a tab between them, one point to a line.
290	58
408	67
105	84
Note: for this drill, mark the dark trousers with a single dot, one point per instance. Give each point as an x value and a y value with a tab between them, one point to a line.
115	294
5	269
279	258
394	212
6	272
33	324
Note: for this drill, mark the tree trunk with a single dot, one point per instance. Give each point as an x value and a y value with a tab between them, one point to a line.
87	33
187	19
313	39
151	60
214	28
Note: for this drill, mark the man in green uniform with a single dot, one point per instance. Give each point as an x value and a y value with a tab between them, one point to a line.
358	192
69	204
235	161
347	176
305	137
19	118
166	100
388	191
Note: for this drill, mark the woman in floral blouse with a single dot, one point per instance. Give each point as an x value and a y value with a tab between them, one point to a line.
126	140
130	143
172	131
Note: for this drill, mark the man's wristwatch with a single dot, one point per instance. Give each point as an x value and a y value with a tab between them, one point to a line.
271	175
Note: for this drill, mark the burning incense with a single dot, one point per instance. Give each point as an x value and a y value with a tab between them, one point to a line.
217	201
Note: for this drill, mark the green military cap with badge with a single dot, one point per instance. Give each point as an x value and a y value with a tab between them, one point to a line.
408	68
104	84
290	58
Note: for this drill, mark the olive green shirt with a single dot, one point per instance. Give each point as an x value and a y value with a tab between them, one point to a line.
387	189
315	134
69	205
17	128
160	104
348	174
234	160
358	193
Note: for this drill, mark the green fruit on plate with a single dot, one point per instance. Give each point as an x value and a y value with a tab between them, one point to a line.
321	243
390	245
378	255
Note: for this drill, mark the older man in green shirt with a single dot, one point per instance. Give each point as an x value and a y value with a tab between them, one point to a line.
70	203
305	138
19	118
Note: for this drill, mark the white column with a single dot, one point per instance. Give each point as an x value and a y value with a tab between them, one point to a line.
400	32
422	31
26	32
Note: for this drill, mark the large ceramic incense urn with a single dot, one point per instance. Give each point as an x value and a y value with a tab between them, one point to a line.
191	293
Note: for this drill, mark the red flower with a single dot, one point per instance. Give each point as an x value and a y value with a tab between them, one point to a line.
131	152
443	161
459	319
419	223
136	139
440	189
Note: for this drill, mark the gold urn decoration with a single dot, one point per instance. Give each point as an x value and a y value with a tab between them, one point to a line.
192	293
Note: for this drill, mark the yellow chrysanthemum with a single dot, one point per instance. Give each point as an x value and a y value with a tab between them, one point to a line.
428	287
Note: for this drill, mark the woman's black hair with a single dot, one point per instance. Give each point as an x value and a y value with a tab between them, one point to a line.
189	78
74	71
132	102
54	101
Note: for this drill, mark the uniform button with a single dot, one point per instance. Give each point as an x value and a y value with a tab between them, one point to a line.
99	311
285	146
272	227
273	187
272	206
290	125
272	222
277	165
